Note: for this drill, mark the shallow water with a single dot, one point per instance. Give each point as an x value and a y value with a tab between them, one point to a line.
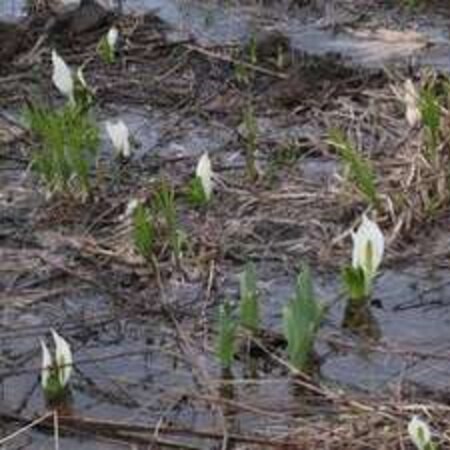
423	40
129	366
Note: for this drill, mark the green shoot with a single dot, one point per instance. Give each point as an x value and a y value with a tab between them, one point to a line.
84	98
301	320
431	117
196	194
251	142
143	231
359	169
166	206
225	345
355	284
249	302
68	148
105	51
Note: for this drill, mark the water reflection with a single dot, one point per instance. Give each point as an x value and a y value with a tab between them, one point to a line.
359	319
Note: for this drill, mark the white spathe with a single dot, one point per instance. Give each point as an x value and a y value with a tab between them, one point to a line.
204	172
62	77
63	357
46	364
119	135
411	99
368	247
131	207
111	38
61	365
419	433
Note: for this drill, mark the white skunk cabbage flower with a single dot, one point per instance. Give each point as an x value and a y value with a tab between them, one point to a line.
419	433
119	135
411	100
62	77
112	37
131	207
205	174
46	365
56	372
368	248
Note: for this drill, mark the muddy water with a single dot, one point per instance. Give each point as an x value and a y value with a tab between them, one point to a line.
423	39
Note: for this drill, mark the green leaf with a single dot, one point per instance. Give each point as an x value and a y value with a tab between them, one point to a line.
249	301
301	320
226	335
143	231
196	194
360	169
356	285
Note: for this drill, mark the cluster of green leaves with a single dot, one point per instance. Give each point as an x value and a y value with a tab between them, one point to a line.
430	111
301	319
143	231
69	142
355	283
226	333
196	195
165	207
158	223
249	317
249	301
106	53
359	169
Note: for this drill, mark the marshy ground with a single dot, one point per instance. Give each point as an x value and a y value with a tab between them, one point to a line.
143	338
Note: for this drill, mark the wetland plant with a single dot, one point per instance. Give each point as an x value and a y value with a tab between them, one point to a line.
62	77
251	142
226	335
73	87
56	371
83	94
166	206
358	169
68	148
420	434
301	321
120	137
201	187
249	313
430	112
143	231
368	249
107	46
